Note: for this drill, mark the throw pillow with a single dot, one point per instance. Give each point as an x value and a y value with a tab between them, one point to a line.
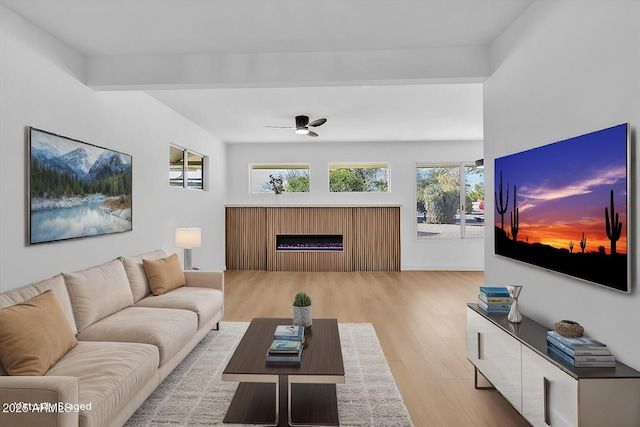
34	335
164	274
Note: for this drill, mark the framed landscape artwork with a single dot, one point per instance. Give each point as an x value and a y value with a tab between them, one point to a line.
76	189
564	207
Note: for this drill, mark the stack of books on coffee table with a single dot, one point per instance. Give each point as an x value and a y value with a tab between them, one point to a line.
287	345
580	352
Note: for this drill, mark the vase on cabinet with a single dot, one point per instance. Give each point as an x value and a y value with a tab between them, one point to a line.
514	313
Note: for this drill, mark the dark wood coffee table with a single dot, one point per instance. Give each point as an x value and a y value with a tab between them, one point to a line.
307	393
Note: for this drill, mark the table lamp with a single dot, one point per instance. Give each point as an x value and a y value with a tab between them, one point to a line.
188	238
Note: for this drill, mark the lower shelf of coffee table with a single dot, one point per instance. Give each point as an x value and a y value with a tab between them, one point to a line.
255	403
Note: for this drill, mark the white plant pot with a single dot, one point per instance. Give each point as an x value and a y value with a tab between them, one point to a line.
302	316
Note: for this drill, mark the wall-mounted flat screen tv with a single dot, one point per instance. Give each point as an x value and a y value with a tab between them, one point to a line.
564	207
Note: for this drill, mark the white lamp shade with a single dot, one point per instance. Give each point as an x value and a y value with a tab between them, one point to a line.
188	238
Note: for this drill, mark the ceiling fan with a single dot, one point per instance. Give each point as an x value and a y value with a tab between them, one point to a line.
302	125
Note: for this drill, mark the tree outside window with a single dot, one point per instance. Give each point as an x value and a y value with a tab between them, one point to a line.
449	201
364	178
294	178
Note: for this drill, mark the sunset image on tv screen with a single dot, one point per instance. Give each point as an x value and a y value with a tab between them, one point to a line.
563	206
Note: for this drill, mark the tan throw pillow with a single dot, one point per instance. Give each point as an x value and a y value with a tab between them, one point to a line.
34	335
164	274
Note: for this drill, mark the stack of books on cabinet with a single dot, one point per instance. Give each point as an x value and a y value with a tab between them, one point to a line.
580	352
494	299
287	345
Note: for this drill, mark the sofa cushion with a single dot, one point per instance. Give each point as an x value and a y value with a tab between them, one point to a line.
56	284
164	274
109	375
137	276
34	335
168	329
206	303
98	292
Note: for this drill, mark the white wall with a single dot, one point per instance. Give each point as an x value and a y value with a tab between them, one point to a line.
564	69
416	254
40	87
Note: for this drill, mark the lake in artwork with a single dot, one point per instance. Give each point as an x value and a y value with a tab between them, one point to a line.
85	219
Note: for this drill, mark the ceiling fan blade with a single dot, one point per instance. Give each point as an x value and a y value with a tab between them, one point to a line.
318	122
312	133
279	127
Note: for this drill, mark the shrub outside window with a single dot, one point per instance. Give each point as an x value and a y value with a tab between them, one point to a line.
295	177
359	177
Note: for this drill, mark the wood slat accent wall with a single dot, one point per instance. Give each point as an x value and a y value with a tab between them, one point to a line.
309	220
376	245
371	238
246	236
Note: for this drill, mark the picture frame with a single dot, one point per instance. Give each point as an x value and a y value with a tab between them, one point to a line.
75	189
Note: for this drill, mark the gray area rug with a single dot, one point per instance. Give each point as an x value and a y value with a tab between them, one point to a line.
194	394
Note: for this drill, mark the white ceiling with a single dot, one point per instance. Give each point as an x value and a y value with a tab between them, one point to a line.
378	70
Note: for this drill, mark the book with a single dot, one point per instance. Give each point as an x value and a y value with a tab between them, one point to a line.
559	354
595	364
575	341
285	347
289	359
494	308
609	358
289	332
494	291
579	350
495	300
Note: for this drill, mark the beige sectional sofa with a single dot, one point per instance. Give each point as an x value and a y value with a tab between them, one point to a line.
128	341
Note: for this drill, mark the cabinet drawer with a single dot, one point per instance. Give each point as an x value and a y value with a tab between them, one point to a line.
549	395
497	355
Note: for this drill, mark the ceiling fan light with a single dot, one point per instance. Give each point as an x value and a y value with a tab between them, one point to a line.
302	131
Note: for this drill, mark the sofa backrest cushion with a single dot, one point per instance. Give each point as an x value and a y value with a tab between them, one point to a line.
98	292
164	274
34	335
135	272
56	284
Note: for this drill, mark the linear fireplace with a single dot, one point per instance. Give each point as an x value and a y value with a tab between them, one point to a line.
309	242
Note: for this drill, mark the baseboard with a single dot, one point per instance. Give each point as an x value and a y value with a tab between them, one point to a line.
442	268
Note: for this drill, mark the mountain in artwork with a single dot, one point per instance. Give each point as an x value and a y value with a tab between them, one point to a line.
79	162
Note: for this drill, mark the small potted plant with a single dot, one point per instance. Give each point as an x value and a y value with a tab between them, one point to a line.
302	310
276	184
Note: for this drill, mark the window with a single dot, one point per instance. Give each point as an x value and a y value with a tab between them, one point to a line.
295	177
364	178
185	163
195	167
176	166
450	201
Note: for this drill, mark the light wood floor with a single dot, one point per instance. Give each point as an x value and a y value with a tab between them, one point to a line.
420	320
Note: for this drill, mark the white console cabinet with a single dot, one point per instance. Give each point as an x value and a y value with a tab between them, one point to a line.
547	391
